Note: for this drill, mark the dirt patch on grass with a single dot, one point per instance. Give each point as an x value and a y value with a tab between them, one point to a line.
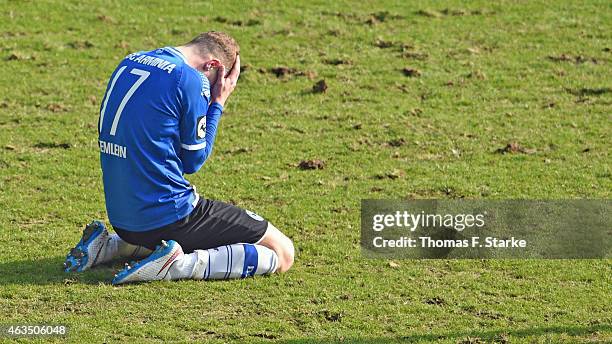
237	151
17	56
284	72
269	336
382	16
337	61
462	12
10	34
249	22
345	16
586	91
57	107
414	55
320	87
332	316
515	148
395	174
314	164
451	12
52	145
405	50
576	59
381	43
80	45
436	301
106	19
397	142
428	13
411	72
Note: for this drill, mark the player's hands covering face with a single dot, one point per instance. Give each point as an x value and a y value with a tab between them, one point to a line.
224	86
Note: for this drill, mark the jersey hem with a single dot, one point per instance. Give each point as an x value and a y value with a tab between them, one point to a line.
151	226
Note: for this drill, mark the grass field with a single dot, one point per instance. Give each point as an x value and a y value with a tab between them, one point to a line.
422	101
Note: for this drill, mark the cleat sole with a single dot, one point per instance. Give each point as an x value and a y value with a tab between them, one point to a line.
78	258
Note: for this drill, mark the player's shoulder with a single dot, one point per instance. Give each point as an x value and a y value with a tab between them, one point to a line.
196	80
158	60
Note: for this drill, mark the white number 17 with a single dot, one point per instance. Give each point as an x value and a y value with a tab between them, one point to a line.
143	76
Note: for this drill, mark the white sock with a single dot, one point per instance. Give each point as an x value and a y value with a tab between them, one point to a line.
127	250
117	248
225	262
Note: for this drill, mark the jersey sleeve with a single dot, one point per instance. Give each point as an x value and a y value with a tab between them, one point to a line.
198	123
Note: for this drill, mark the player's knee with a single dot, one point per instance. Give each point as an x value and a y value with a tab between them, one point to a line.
286	256
281	245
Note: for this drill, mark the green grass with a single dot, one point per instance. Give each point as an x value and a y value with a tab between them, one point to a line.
535	73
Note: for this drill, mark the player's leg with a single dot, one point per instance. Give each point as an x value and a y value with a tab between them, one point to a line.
222	241
98	246
275	240
168	262
234	243
272	253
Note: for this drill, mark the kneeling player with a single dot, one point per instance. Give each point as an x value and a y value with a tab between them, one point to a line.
158	121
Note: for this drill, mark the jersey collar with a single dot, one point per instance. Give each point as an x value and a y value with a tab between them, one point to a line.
205	82
177	52
205	85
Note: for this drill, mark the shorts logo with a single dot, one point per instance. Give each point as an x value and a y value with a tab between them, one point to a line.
201	132
254	216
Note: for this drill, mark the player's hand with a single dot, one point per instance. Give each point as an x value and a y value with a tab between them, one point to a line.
223	87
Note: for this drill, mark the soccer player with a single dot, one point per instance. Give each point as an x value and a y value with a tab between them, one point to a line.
158	122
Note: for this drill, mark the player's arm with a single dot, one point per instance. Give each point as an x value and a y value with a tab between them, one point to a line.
224	86
198	132
198	124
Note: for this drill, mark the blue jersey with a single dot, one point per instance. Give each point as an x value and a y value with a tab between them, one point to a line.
155	125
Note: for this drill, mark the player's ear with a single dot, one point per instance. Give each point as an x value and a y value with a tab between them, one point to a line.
210	64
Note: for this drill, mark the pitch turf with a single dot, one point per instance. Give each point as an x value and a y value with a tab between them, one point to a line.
419	99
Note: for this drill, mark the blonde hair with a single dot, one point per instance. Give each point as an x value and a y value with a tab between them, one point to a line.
219	44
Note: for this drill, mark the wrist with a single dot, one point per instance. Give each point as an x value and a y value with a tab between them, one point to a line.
219	101
217	104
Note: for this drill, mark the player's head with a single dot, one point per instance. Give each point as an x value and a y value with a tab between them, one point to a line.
215	48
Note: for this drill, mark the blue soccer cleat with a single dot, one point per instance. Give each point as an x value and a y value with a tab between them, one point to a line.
90	250
153	268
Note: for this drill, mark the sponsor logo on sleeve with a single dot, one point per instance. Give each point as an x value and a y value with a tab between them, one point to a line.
254	216
201	129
